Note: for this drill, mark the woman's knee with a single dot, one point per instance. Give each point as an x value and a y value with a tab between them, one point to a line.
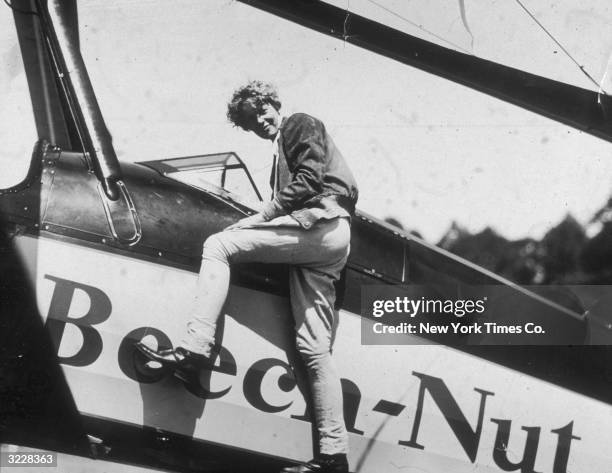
312	350
216	248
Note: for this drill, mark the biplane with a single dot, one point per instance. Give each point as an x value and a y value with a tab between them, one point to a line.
98	254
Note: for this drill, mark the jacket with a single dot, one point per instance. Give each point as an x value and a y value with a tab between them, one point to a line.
314	180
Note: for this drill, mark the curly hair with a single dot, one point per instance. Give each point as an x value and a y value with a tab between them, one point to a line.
259	92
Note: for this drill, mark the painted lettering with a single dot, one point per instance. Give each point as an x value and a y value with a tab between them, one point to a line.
59	315
253	380
468	438
563	447
132	363
500	450
138	369
226	365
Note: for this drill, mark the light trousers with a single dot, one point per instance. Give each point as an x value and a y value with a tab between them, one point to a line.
316	257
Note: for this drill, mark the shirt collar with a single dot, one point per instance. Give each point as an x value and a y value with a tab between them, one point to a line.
276	138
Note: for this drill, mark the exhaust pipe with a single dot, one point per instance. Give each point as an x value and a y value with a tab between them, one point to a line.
93	133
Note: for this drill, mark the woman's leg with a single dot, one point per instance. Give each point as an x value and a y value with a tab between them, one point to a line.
320	247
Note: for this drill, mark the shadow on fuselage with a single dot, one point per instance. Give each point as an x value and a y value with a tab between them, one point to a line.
36	406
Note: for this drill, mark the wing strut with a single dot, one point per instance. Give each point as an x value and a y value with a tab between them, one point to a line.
67	60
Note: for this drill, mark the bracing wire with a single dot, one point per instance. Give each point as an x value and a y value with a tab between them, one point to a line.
394	13
565	51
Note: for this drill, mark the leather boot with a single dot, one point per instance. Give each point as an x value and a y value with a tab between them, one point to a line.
322	464
185	364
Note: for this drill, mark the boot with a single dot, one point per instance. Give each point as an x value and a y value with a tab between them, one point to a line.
321	464
185	364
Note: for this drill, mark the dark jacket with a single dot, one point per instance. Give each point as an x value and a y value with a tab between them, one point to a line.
312	174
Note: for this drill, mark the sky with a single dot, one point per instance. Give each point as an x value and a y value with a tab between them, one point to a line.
424	150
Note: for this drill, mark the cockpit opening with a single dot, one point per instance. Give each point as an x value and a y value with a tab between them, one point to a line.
223	174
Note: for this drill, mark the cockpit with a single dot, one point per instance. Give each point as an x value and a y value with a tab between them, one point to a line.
223	174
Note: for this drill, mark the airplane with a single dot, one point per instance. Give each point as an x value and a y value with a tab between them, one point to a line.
97	255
